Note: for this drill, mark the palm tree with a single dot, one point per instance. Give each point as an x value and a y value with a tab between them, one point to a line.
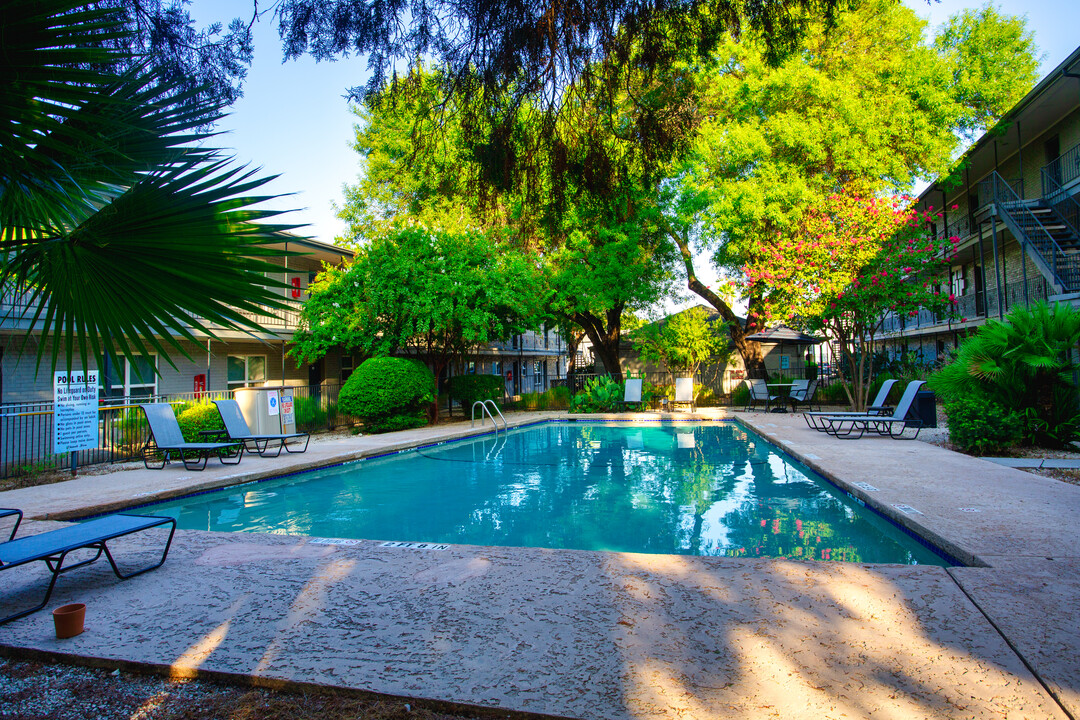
1025	365
118	228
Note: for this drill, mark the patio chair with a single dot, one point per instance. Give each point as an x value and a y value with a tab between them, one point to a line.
632	394
759	392
878	407
802	393
237	430
166	438
54	547
684	393
845	426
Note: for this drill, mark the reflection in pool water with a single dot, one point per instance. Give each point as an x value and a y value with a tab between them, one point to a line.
698	489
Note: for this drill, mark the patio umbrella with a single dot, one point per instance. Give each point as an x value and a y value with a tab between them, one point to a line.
781	335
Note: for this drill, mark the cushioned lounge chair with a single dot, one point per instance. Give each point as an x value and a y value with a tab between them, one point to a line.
237	430
632	394
166	439
846	426
878	407
54	547
759	393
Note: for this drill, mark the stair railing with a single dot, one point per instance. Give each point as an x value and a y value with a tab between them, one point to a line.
1030	230
1063	203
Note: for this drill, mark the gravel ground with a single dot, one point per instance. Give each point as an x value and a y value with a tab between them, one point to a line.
55	691
940	436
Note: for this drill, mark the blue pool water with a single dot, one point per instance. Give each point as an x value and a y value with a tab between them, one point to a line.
696	489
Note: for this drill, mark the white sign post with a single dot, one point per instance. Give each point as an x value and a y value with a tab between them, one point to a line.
75	413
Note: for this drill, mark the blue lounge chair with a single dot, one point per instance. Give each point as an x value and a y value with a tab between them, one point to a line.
166	438
845	426
684	393
53	548
237	430
878	407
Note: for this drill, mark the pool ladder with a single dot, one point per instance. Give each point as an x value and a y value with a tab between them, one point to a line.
484	411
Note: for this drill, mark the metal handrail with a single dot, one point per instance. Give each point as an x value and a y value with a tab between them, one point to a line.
484	411
506	426
1066	167
1014	207
1062	202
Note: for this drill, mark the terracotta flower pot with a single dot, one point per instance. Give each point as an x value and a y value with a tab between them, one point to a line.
69	620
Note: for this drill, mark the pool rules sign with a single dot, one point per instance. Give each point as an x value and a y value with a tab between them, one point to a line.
75	411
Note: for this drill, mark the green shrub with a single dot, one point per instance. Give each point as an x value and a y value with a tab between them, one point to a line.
556	398
389	394
740	395
706	397
193	418
468	389
979	425
601	394
1025	365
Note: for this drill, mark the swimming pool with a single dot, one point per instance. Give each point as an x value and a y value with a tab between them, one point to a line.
686	488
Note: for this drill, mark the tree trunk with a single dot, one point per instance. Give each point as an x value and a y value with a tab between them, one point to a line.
604	335
750	351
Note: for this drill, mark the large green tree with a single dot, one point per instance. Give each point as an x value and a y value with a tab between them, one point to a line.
870	103
117	227
437	295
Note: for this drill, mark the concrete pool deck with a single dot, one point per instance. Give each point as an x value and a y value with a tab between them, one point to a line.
605	635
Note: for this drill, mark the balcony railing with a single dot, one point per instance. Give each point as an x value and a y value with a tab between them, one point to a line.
1066	167
18	305
973	306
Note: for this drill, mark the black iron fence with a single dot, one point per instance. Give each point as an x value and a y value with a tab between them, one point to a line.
26	429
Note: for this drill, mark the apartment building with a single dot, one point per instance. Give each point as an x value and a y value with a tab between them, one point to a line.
1016	213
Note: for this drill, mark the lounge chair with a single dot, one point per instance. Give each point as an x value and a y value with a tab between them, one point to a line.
166	438
684	392
802	393
759	392
845	426
237	430
54	546
632	394
878	407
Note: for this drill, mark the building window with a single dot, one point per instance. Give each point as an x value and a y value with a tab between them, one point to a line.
123	378
496	367
246	371
347	367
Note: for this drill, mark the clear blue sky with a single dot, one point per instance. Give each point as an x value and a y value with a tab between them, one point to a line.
294	121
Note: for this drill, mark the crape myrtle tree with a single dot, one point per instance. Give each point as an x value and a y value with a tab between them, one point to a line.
853	262
118	228
870	104
433	294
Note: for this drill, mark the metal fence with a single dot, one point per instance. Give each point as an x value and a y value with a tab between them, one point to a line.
26	429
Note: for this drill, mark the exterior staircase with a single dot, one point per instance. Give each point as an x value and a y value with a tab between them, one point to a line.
1046	228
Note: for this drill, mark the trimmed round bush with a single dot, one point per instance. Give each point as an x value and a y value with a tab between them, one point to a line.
193	419
388	393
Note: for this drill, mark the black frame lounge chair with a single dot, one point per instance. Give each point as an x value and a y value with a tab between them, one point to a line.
877	408
845	426
632	393
237	430
759	392
166	438
8	512
53	548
